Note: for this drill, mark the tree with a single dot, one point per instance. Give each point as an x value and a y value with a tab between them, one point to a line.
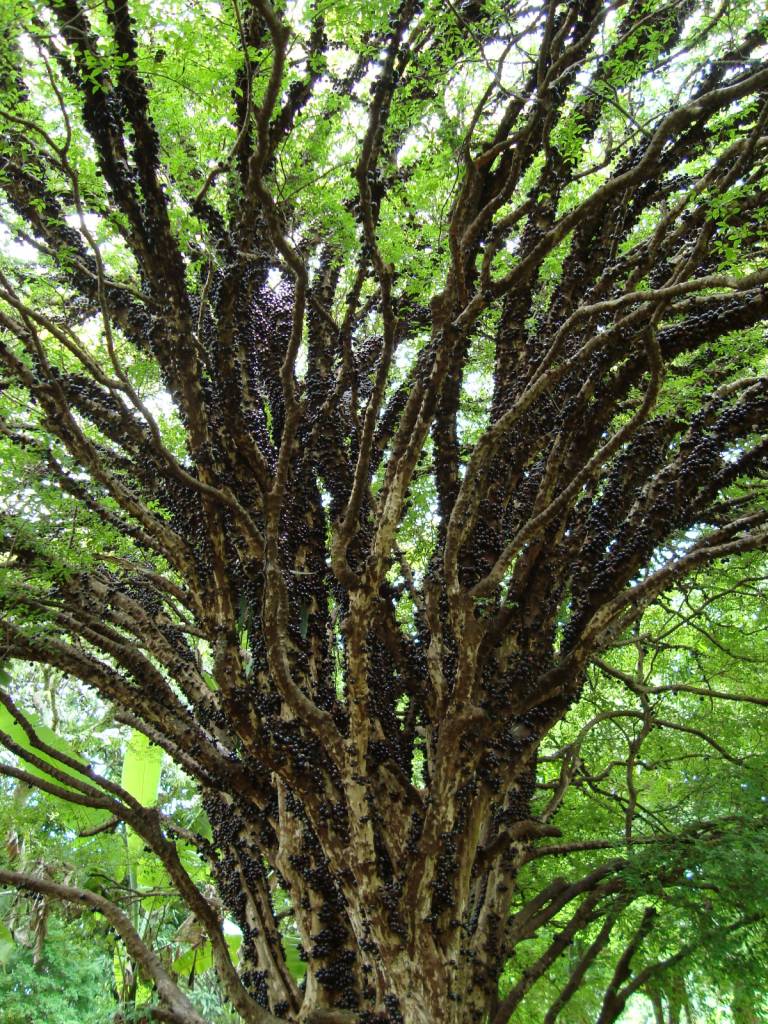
67	989
665	754
369	371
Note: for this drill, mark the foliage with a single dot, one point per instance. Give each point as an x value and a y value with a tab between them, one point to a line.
71	986
383	504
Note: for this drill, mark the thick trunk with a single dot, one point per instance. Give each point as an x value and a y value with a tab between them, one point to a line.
397	986
362	966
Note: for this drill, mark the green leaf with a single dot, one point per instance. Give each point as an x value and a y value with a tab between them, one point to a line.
7	944
75	814
16	733
142	765
200	958
291	948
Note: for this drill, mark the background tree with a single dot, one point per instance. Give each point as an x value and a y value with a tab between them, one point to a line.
59	962
662	759
368	372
